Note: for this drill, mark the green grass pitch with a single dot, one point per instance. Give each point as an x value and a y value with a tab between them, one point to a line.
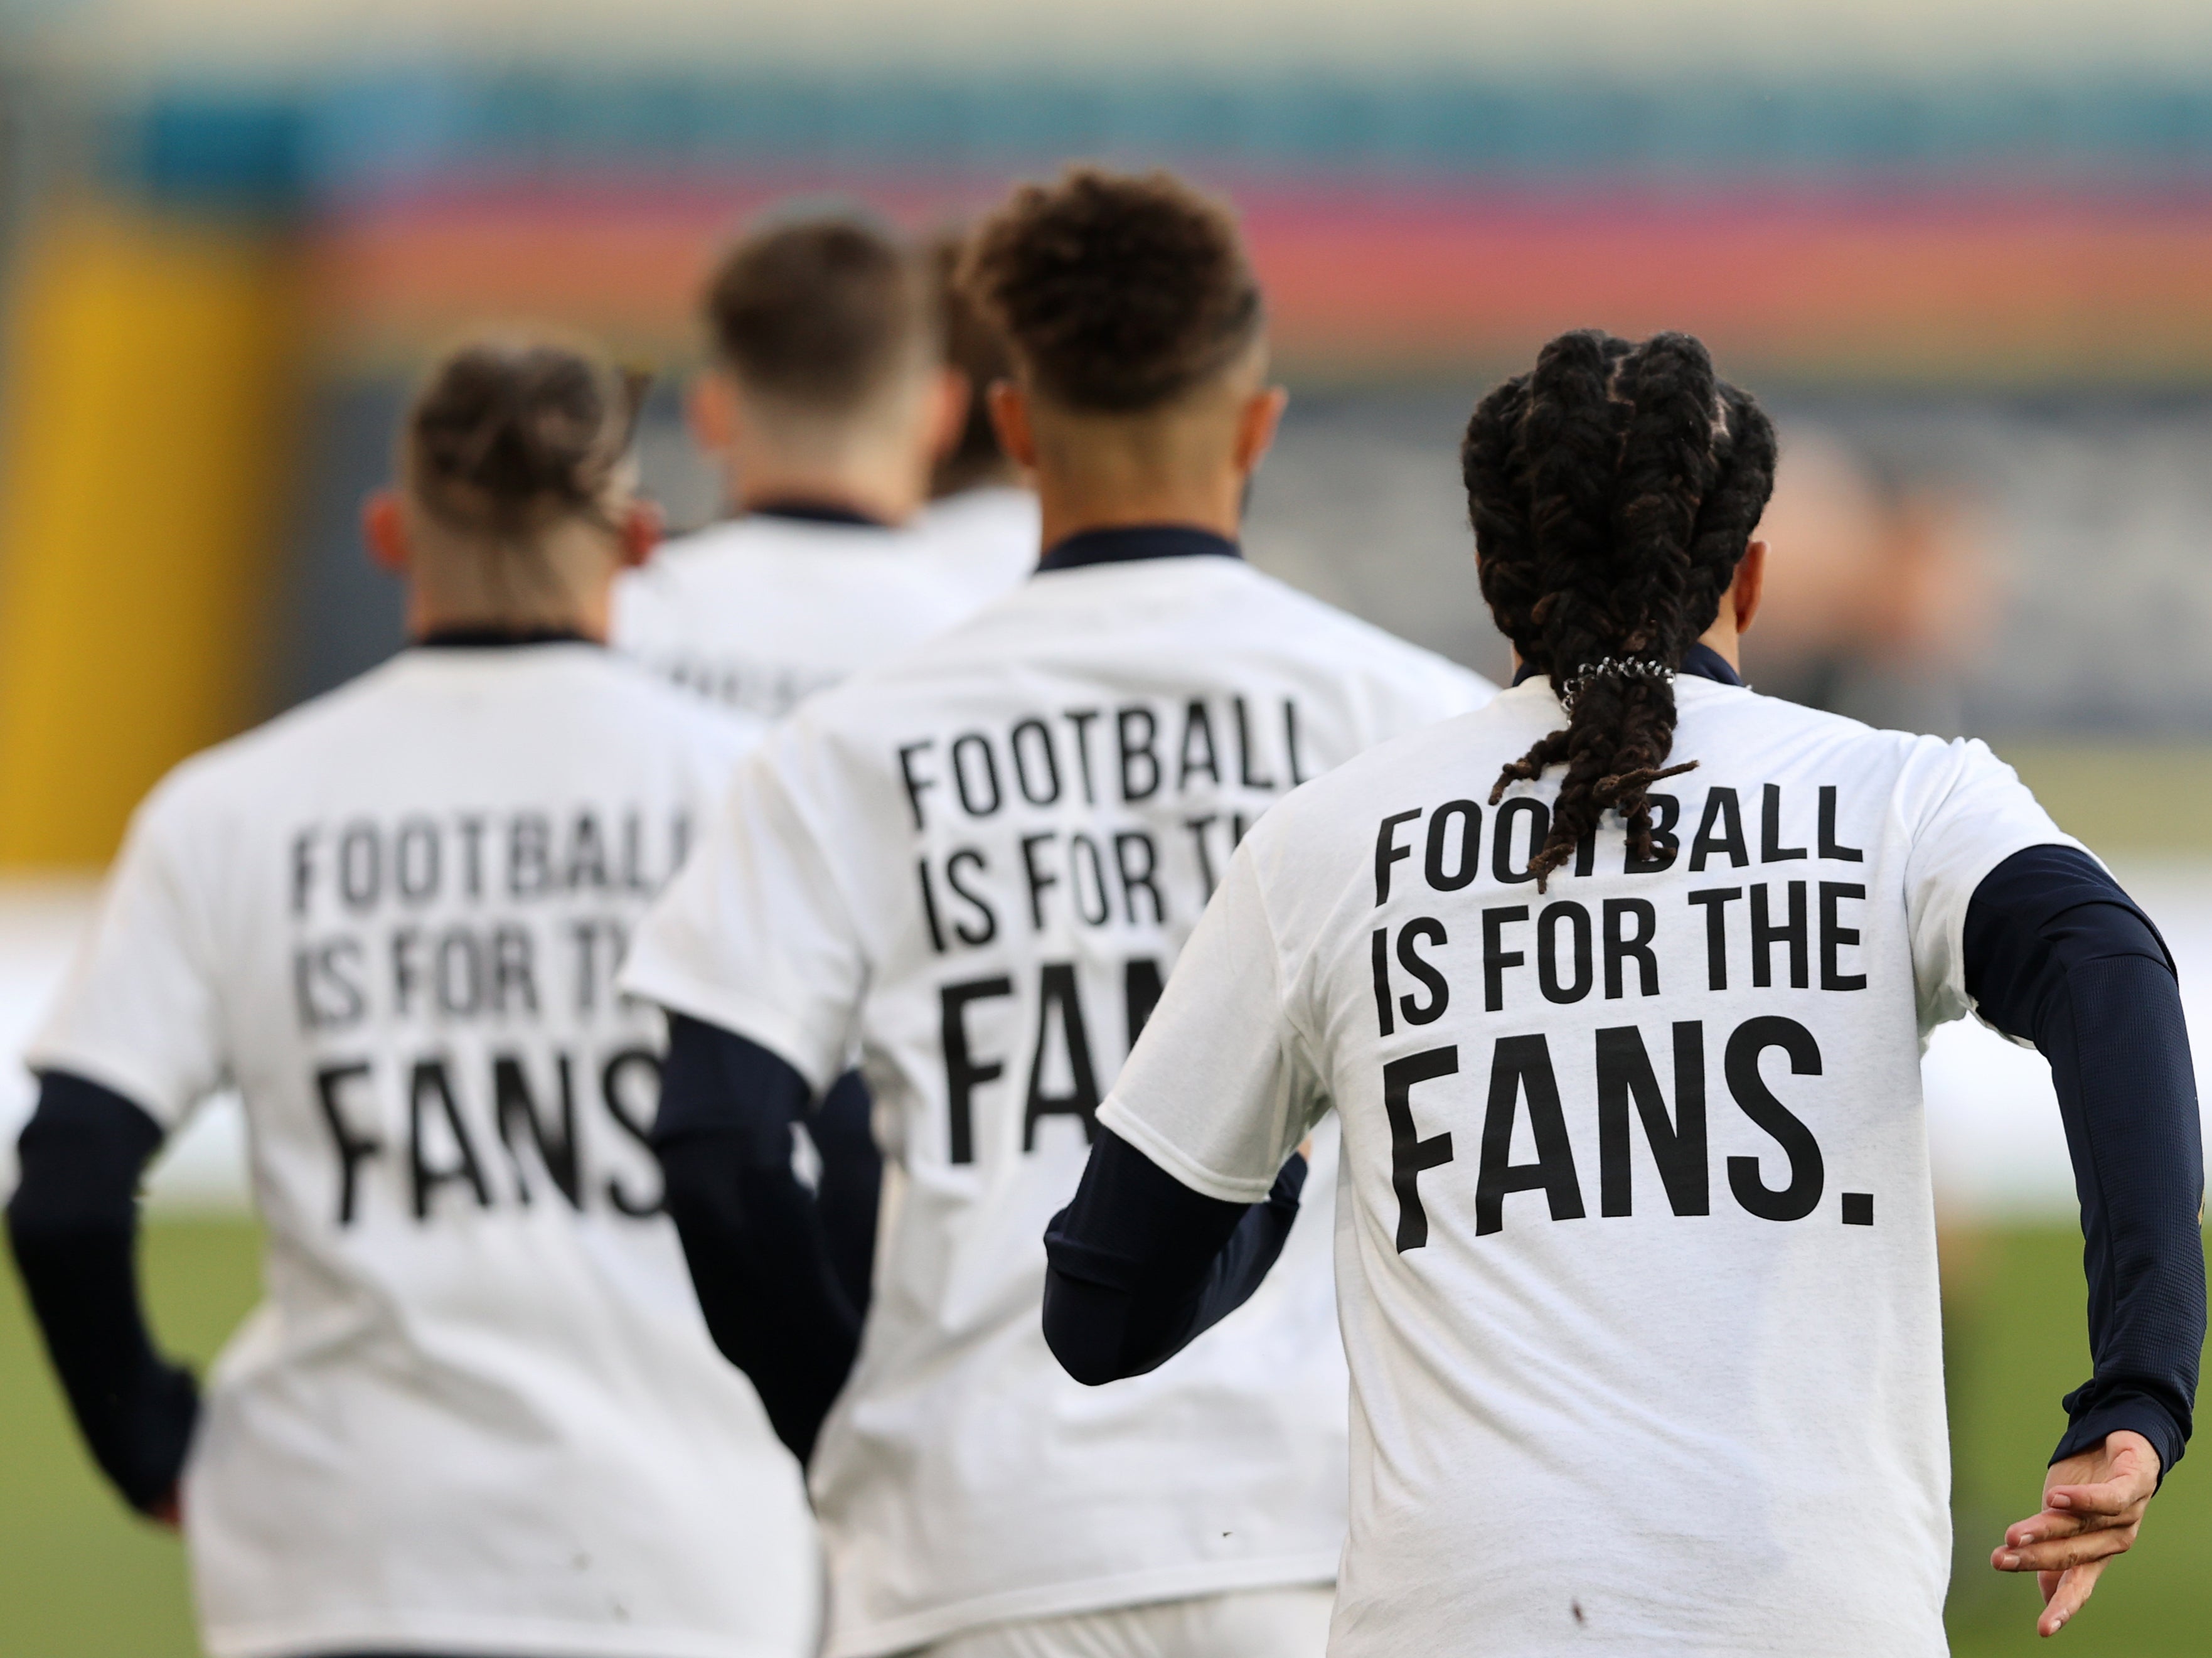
80	1578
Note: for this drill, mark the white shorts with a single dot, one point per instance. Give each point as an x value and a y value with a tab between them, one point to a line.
1285	1622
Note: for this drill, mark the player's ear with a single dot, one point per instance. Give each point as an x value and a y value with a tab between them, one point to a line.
1010	418
1749	585
1255	425
643	524
710	410
384	527
951	393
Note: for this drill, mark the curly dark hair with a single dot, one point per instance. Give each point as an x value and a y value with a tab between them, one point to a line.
1119	292
1614	491
509	436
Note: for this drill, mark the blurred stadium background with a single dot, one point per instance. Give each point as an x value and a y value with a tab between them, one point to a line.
1963	246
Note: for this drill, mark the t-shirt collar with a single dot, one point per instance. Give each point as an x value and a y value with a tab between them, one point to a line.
484	638
1702	660
1125	544
816	511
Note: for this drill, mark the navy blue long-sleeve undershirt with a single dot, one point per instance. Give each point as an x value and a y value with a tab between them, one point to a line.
761	1260
851	1185
74	1225
2057	954
1140	1265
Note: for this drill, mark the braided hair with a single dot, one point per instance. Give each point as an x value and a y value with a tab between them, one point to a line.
1614	491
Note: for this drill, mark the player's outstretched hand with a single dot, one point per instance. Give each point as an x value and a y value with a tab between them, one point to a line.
2092	1507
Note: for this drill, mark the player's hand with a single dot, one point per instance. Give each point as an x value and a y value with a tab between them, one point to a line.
169	1512
2092	1507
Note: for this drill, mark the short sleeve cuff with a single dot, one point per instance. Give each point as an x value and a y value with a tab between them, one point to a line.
1228	1188
1985	864
1955	922
821	1061
158	1097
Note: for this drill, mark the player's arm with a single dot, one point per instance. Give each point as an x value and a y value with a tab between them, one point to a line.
850	1190
761	1260
73	1223
2055	952
754	952
1194	1178
1140	1264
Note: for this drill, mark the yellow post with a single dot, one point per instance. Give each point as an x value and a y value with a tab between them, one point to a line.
144	459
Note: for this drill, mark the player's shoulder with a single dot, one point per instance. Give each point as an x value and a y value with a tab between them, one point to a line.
598	696
714	554
1200	608
206	788
1764	732
1351	644
1739	736
1234	603
638	701
306	726
1924	784
984	637
860	707
724	538
726	562
1409	765
983	540
992	509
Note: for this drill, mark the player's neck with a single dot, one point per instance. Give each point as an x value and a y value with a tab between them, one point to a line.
1066	508
887	490
429	615
1722	639
967	479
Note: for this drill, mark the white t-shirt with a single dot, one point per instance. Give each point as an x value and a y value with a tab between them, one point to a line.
478	1410
978	865
763	610
988	539
1637	1264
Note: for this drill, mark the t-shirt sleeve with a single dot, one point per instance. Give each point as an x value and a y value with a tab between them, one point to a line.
1219	1090
139	1012
755	934
1968	811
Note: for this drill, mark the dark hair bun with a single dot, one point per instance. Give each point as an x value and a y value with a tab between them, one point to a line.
506	438
1119	292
